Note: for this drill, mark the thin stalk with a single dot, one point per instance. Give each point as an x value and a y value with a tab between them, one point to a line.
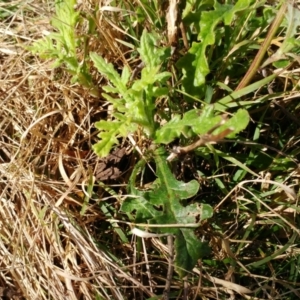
263	49
170	267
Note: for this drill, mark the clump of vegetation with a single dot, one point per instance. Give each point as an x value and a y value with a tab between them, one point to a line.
171	122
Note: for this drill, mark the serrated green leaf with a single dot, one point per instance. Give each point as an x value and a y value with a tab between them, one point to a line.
194	67
207	112
108	71
168	132
196	122
109	132
103	147
65	22
167	193
148	77
205	124
193	122
163	77
125	75
194	64
187	250
43	47
151	55
183	260
118	103
206	212
71	63
238	122
106	125
110	89
209	20
144	209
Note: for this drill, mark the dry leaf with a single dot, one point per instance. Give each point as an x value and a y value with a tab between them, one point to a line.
108	167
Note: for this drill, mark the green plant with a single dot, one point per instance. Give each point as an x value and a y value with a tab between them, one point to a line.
134	108
195	97
173	217
136	105
203	19
64	45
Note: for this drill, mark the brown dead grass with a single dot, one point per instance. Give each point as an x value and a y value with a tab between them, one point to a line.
45	151
47	249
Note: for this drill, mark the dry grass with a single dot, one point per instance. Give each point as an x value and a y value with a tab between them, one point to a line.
45	150
48	250
45	163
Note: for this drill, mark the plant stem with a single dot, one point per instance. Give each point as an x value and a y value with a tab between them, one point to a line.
170	267
263	49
